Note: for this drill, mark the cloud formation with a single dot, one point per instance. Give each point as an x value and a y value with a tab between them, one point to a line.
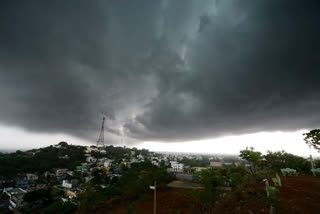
160	70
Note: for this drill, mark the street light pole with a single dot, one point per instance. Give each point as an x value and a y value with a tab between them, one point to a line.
155	198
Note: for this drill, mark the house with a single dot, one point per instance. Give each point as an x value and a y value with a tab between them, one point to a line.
176	167
70	173
82	168
74	192
23	184
237	164
89	159
107	163
198	169
88	178
215	164
66	184
15	196
155	162
70	194
31	177
61	174
64	157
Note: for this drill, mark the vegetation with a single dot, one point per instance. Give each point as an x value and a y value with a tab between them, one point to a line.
204	162
253	157
44	160
312	138
132	185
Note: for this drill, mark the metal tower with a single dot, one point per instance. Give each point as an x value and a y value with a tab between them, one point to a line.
101	136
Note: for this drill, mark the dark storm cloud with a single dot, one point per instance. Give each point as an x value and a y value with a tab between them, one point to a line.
159	70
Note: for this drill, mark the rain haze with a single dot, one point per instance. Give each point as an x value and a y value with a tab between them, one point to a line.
193	76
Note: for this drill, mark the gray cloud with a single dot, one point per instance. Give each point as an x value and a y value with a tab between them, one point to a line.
159	70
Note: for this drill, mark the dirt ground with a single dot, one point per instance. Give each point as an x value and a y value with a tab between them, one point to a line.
169	201
300	195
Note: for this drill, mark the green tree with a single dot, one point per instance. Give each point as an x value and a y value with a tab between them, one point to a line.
312	138
253	157
210	179
63	144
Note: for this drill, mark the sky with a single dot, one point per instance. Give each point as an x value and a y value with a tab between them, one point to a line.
179	75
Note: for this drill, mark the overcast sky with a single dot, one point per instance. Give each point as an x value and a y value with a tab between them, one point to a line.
162	72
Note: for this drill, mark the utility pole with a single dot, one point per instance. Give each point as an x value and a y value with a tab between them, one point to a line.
312	166
155	197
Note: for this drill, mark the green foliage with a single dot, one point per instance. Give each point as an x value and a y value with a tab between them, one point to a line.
210	179
60	207
194	162
317	163
43	195
90	198
132	185
44	160
253	157
312	138
279	160
63	144
139	177
274	196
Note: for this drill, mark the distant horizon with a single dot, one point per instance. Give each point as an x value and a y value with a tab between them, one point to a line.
317	156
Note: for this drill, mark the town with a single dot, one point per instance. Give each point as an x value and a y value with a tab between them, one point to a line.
69	179
63	177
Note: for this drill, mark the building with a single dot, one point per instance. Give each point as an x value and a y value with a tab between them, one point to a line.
66	184
155	162
15	196
198	169
89	159
23	184
215	164
107	163
61	174
176	167
31	177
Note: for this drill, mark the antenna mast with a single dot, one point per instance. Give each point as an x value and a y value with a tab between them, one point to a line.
101	136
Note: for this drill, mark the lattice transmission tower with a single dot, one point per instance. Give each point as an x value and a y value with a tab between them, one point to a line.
101	136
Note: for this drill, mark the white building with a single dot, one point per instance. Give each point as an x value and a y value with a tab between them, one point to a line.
15	196
31	177
66	184
216	164
176	167
156	163
198	169
61	173
90	159
107	163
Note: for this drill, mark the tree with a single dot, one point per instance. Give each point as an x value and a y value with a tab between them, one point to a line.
63	144
312	138
278	160
253	157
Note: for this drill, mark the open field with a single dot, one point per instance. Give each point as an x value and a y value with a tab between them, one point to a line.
298	195
169	200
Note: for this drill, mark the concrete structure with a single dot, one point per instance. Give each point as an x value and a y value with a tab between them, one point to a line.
216	164
198	169
61	173
15	196
31	177
107	163
176	167
66	184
